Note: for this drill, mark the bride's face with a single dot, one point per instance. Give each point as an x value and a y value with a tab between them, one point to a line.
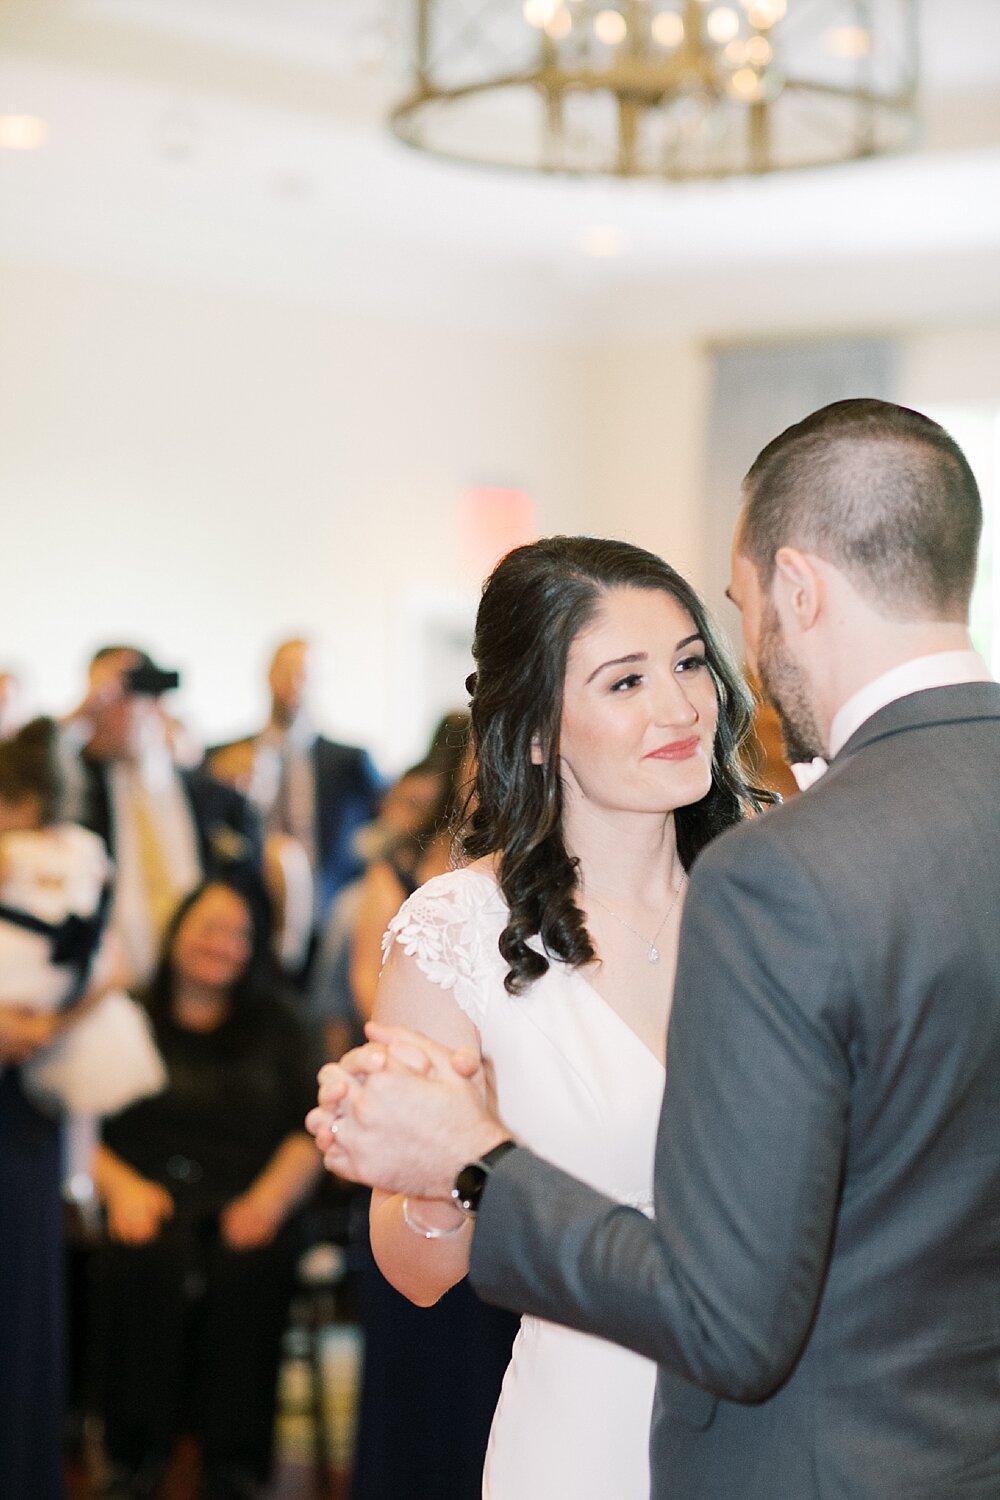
639	707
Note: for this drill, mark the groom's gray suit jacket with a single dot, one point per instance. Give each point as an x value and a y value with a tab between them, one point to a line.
821	1283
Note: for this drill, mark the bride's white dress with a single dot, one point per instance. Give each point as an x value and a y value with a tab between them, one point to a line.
579	1087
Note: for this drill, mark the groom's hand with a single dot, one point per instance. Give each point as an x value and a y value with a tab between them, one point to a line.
338	1080
419	1052
399	1115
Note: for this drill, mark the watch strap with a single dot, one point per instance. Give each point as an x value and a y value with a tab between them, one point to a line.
471	1180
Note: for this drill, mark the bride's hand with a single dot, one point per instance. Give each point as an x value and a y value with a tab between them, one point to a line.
418	1053
395	1113
339	1081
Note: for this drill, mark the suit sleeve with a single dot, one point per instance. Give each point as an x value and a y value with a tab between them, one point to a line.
721	1287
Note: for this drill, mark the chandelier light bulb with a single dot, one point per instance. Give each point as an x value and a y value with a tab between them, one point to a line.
745	82
560	24
759	51
610	27
722	24
763	14
539	13
668	29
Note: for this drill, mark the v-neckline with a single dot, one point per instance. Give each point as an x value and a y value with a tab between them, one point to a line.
592	989
577	974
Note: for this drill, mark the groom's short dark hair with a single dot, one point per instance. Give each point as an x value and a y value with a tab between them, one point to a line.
880	491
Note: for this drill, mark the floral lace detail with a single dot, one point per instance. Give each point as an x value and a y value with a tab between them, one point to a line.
451	927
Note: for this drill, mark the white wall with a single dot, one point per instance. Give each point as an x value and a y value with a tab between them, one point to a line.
649	413
950	364
202	474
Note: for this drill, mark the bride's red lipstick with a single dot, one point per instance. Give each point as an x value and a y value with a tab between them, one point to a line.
676	750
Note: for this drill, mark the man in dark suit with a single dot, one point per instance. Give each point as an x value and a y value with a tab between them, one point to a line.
166	827
311	788
821	1283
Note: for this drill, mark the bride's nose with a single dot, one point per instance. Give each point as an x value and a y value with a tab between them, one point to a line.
674	706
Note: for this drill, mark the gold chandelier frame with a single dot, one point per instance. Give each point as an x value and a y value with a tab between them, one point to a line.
676	89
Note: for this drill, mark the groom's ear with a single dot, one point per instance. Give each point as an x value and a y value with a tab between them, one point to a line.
798	587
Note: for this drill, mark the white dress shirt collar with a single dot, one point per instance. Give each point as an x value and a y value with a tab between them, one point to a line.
942	669
298	737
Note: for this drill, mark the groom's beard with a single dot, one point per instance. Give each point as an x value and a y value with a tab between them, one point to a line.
786	688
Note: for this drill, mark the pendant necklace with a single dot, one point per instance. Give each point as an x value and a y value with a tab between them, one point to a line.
652	952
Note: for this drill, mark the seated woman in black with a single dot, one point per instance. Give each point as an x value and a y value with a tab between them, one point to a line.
199	1266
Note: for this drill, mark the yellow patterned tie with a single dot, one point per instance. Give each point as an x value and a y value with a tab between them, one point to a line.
162	893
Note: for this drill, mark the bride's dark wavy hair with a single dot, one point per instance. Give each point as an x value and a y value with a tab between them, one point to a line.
534	605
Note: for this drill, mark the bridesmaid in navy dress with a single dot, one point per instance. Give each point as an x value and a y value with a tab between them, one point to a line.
432	1375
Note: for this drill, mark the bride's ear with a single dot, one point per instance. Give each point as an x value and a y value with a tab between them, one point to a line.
537	755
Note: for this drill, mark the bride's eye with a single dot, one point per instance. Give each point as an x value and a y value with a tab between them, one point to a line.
624	683
691	664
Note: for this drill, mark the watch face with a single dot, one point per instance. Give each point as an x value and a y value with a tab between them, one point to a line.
471	1180
469	1186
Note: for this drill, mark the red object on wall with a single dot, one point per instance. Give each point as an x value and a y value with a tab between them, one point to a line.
491	522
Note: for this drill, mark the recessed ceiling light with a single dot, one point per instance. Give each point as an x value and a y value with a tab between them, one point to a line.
848	41
603	241
22	132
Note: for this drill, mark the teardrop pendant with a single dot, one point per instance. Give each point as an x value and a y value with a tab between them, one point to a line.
653	955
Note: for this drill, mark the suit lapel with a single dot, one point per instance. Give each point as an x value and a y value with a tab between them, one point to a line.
923	710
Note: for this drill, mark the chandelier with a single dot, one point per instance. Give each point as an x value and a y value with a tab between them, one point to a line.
660	88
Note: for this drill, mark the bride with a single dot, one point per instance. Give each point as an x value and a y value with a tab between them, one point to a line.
607	723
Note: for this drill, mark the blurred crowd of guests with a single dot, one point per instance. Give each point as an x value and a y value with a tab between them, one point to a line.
240	893
243	901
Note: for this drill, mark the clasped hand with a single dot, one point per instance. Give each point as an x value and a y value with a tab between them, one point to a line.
403	1113
23	1032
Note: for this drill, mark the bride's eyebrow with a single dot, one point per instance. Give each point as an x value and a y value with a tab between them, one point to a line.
618	661
626	661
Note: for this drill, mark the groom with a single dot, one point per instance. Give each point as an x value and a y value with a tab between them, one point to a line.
821	1283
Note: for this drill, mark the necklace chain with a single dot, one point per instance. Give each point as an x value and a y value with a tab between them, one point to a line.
653	953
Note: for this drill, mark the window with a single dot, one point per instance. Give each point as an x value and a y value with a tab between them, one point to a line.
975	426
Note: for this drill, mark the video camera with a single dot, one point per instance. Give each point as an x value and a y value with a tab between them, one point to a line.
147	680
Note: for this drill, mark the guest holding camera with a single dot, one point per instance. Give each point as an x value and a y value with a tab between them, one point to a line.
166	827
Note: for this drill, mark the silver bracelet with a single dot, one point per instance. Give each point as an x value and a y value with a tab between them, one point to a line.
429	1231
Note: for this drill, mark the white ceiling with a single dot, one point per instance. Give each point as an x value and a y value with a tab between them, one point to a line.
240	144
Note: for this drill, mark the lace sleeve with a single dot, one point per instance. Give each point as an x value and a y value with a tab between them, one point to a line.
450	927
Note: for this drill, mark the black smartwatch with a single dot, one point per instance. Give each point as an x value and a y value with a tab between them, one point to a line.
471	1181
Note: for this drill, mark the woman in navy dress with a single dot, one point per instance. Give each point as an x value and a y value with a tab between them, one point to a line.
432	1375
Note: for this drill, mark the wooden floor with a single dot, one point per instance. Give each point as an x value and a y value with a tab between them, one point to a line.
293	1480
296	1476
